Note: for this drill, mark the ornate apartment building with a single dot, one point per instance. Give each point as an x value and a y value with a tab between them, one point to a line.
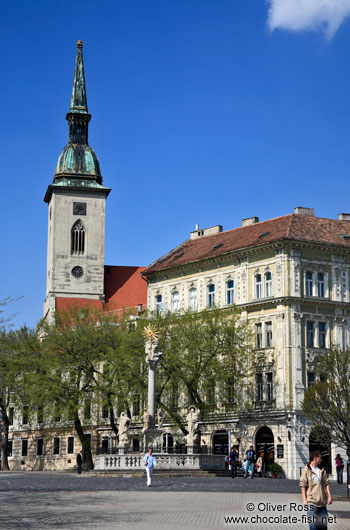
290	278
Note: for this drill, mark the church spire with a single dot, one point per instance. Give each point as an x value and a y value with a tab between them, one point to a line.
78	117
78	101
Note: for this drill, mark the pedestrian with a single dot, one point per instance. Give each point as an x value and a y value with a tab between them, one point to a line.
316	493
261	465
149	461
339	466
251	457
79	461
233	461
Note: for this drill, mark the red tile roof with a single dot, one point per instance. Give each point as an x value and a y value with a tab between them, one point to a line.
67	304
124	289
292	227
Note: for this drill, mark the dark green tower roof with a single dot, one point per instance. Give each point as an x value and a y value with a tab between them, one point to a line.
78	165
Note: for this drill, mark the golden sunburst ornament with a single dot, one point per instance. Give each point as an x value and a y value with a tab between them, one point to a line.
151	333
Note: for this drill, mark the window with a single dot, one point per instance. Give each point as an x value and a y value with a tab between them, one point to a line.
258	286
56	446
158	303
309	283
230	391
258	335
229	292
78	238
39	447
310	334
268	334
9	448
11	415
105	412
70	445
175	301
269	386
40	414
193	299
211	295
87	409
57	413
25	413
259	387
321	285
105	444
24	448
322	332
268	284
310	378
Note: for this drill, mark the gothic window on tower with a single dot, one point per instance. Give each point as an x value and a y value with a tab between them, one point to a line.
78	238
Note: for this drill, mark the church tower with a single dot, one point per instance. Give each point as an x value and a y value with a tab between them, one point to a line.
76	200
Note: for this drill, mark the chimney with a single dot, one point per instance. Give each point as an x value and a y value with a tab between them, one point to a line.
300	210
343	216
206	231
250	221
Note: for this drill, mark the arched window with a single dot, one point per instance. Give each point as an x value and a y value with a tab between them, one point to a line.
230	292
175	301
78	238
258	286
193	299
211	295
268	284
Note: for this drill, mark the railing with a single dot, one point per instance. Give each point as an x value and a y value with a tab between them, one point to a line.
133	462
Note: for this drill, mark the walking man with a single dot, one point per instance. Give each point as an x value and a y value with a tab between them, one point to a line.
79	461
315	490
233	461
149	461
251	457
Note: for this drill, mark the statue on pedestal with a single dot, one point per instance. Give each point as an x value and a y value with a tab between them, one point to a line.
192	426
160	418
124	423
146	420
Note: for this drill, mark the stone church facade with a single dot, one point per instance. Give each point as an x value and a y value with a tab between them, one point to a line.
290	278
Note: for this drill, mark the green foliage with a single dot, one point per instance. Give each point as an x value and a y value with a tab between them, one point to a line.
275	469
199	350
327	401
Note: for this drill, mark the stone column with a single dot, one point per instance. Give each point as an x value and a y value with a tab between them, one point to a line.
152	437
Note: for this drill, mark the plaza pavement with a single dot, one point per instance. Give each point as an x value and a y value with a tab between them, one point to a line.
56	501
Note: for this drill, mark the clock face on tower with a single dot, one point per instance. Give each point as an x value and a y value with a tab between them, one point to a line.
77	272
79	208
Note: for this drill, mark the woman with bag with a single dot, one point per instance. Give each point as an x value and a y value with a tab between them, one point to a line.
149	462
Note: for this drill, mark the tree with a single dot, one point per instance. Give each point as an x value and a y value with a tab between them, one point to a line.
90	358
327	402
17	350
124	376
203	352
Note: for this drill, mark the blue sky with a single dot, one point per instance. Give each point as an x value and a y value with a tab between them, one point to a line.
203	111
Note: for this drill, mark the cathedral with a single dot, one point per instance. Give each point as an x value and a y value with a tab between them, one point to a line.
76	199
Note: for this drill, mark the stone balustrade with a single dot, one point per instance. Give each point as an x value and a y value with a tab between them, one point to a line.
134	462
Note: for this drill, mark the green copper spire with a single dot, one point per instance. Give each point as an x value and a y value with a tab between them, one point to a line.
78	117
78	101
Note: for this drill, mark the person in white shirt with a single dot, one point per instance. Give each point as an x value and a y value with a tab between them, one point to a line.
150	462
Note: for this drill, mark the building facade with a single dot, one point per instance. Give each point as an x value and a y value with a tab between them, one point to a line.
290	278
